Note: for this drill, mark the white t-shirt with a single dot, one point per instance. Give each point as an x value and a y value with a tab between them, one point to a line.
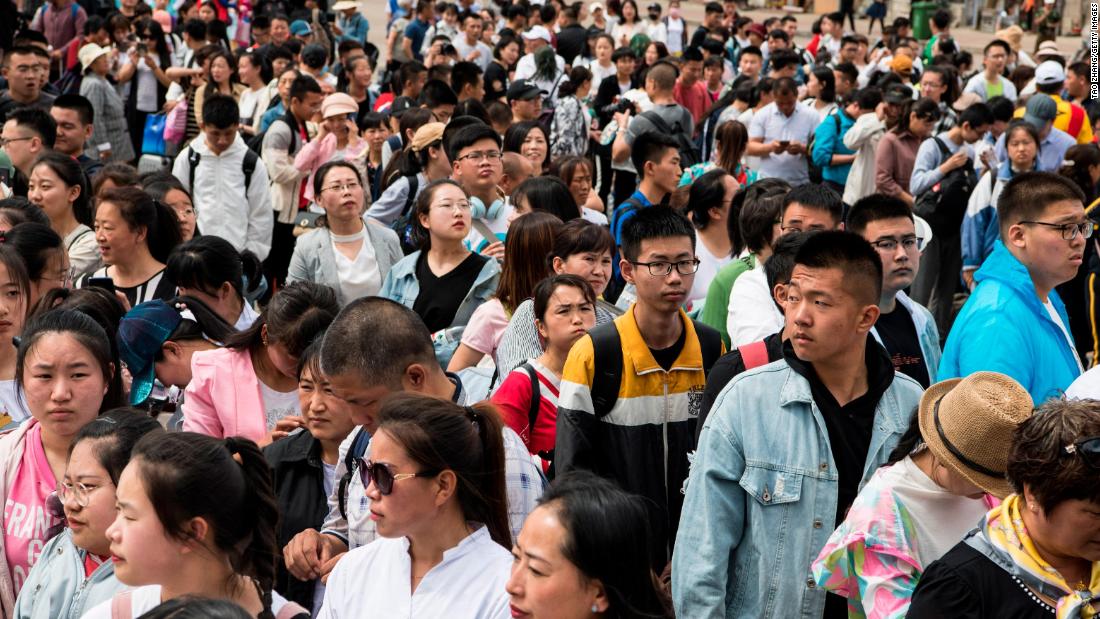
600	72
147	86
1069	339
247	104
464	49
1086	387
278	404
675	31
247	317
11	404
359	277
373	581
145	599
709	265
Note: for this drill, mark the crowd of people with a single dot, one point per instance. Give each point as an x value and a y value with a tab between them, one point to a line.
545	310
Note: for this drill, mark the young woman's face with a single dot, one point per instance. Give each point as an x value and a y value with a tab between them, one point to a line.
55	275
581	185
184	208
207	13
246	71
220	71
568	317
1022	150
630	12
652	55
544	584
280	357
341	195
63	383
510	53
603	49
448	217
813	86
118	242
920	127
143	552
412	506
13	306
328	418
362	74
47	191
593	267
91	509
534	148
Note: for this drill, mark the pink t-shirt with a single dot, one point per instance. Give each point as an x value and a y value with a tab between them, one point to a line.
486	327
25	517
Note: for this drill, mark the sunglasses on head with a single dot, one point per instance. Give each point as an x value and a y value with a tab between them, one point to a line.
1088	449
384	477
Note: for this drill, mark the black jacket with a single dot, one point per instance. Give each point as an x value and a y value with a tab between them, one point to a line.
605	96
571	42
300	490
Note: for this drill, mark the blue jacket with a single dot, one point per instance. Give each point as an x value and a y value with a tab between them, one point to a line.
981	226
1004	328
829	141
57	588
355	29
402	286
761	498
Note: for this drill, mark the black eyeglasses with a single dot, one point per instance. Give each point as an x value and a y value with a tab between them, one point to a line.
664	269
1069	231
1088	449
384	477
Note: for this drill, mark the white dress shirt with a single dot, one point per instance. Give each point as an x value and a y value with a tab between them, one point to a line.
753	315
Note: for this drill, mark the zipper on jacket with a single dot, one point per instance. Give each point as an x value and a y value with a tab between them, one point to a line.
664	441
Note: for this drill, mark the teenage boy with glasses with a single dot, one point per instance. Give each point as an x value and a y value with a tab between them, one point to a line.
1014	322
475	156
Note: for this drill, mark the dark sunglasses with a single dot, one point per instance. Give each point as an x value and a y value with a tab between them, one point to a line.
1088	449
384	477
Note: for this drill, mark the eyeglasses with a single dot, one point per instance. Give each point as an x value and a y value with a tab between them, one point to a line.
342	187
480	155
664	269
79	492
889	245
461	206
1088	449
1069	231
384	477
5	141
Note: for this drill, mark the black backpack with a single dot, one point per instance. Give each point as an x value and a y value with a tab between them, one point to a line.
403	225
689	155
248	166
351	463
815	171
944	205
607	350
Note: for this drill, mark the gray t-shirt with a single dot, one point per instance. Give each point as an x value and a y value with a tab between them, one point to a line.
671	113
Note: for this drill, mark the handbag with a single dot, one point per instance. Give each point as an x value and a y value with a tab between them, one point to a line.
175	125
152	142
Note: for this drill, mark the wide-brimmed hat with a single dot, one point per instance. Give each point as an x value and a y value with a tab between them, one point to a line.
1048	48
1013	35
344	5
90	53
968	423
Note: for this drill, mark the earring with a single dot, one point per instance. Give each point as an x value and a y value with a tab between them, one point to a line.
595	608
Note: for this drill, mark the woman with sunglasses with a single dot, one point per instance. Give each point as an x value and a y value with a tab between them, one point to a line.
75	570
344	252
196	516
934	489
63	370
435	479
1036	554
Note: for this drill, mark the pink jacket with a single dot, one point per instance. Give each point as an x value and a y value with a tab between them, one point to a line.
316	153
223	398
12	444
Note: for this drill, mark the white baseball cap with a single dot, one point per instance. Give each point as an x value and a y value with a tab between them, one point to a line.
537	32
1049	72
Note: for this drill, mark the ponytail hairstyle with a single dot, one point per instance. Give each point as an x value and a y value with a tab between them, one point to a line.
296	314
440	435
206	262
198	323
228	484
408	162
72	175
923	107
87	332
577	76
115	433
733	140
546	64
1078	159
707	192
35	243
139	210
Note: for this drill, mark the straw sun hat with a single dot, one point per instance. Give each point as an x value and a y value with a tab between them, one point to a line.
968	423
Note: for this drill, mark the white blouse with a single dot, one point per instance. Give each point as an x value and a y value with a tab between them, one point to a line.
359	277
374	581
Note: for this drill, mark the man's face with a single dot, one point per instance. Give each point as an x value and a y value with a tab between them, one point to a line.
799	218
932	86
749	65
21	146
776	43
280	31
1076	85
624	66
691	71
478	168
786	101
900	262
712	20
475	90
791	28
307	107
443	112
24	75
665	173
71	133
824	317
416	84
827	26
1050	258
843	84
663	293
996	58
363	401
472	27
973	134
262	36
849	52
527	109
219	140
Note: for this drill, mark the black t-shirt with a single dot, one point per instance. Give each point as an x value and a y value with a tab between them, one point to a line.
899	336
496	81
699	36
665	357
440	297
965	584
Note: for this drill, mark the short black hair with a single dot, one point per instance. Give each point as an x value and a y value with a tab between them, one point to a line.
849	70
876	207
782	58
654	222
816	196
997	43
279	51
1028	194
714	7
314	56
195	28
464	73
650	146
261	20
780	35
976	115
849	253
759	210
467	137
302	86
941	18
437	93
37	120
220	112
784	85
712	46
375	339
408	72
868	98
623	52
94	24
692	54
77	103
751	50
778	268
1002	108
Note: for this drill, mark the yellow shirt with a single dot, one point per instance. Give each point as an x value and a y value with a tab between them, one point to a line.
1084	134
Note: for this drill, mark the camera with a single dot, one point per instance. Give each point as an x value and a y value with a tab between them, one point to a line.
622	105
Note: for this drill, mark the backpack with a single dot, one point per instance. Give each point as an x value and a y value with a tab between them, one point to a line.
248	166
616	284
351	463
815	171
403	225
754	355
944	205
689	156
607	348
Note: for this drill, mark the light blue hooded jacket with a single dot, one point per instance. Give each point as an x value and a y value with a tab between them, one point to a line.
1004	328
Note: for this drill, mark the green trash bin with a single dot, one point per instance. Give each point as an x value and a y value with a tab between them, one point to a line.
921	13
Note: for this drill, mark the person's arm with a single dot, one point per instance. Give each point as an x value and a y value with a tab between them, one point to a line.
927	169
712	519
620	149
756	146
406	44
200	414
865	128
261	218
577	425
127	71
308	158
464	357
824	144
387	208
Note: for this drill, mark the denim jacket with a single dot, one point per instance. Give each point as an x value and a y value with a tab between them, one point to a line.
762	496
402	286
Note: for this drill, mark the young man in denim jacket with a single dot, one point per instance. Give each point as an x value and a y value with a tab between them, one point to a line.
786	446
